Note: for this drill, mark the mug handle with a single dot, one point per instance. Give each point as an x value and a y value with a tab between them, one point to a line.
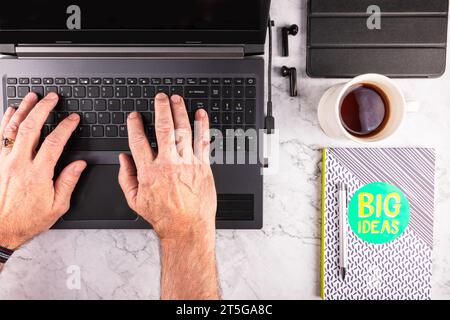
412	106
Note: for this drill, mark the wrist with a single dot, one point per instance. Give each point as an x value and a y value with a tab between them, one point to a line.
10	243
202	238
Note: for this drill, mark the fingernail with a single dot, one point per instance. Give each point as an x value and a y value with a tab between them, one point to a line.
161	96
78	169
133	115
202	113
74	116
30	96
176	98
52	96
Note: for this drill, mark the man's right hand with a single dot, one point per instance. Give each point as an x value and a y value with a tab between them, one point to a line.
174	191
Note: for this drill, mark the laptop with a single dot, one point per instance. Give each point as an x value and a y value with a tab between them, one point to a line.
106	60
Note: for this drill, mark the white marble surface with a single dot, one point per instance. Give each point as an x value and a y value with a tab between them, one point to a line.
282	260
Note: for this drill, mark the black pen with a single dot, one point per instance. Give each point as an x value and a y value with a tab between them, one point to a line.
342	190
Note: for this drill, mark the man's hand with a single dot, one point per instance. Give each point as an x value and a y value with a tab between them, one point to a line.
174	190
30	200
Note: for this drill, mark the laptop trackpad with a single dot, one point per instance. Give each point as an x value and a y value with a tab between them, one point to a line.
98	196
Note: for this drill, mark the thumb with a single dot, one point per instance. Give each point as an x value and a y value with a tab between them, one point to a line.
128	179
65	184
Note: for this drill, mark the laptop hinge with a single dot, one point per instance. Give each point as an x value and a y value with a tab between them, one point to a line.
123	52
7	50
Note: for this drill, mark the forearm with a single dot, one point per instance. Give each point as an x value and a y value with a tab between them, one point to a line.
189	269
1	267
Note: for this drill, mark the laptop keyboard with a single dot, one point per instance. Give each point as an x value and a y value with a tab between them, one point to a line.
104	104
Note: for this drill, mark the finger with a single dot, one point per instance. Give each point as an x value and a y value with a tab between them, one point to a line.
53	146
128	179
5	120
201	136
30	128
65	184
164	128
183	131
140	147
21	113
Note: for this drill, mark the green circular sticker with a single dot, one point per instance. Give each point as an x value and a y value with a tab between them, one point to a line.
378	213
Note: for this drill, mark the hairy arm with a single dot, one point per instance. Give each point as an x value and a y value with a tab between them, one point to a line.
189	268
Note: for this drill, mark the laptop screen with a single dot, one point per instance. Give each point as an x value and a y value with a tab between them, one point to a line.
134	21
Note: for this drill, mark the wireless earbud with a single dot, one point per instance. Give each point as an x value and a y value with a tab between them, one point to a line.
292	74
286	31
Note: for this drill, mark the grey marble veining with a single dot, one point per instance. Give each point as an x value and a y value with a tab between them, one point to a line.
282	261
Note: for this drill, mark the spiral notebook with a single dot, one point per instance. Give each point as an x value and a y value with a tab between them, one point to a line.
389	227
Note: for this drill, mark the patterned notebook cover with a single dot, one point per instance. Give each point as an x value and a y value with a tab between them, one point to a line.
385	262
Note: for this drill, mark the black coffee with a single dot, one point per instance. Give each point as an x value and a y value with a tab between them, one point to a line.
364	110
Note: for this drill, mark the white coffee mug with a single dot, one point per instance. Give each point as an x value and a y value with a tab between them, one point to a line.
329	110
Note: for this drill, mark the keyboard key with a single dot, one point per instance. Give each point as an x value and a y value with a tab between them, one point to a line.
118	118
104	118
204	81
48	81
65	91
72	105
100	105
227	81
86	105
112	131
11	81
98	131
96	81
39	90
149	92
193	92
60	81
84	80
72	81
60	116
163	89
93	92
238	105
156	81
191	81
134	92
113	105
227	105
83	132
24	81
89	118
238	118
199	104
120	92
168	81
250	92
123	131
178	90
50	89
22	91
215	105
238	81
147	117
250	111
127	105
226	118
141	105
36	80
215	92
108	80
107	92
132	81
179	81
215	118
238	92
144	81
215	81
251	81
227	92
119	80
51	118
14	103
11	92
79	92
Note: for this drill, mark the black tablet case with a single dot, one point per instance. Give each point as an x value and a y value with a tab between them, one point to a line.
411	43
